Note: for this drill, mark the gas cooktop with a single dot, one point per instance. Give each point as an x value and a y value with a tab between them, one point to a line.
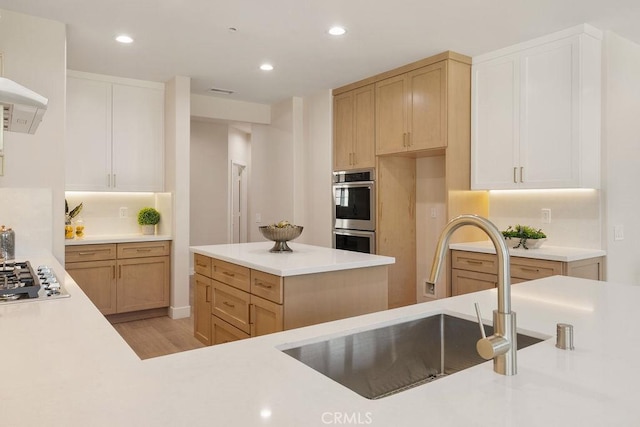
20	283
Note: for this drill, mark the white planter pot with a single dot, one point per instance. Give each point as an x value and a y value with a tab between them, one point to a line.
148	229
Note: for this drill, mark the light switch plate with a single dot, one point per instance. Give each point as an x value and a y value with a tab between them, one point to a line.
545	216
124	212
618	232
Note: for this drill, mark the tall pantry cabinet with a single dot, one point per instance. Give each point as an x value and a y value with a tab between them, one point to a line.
421	110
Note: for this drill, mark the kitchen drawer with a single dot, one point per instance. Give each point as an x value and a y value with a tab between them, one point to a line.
222	332
232	305
266	317
231	274
464	282
202	264
90	252
474	261
530	269
267	286
144	249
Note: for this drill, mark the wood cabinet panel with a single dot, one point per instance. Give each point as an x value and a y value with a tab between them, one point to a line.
97	279
464	282
354	129
143	249
428	109
202	309
266	317
232	305
267	286
530	269
391	115
231	274
143	283
202	265
81	253
222	332
482	263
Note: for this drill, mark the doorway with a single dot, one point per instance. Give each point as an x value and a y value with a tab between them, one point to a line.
238	217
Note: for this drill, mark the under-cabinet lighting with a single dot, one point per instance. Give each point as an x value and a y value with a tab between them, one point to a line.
111	193
547	191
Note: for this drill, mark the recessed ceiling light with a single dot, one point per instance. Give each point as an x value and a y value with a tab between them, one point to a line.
337	31
123	38
266	67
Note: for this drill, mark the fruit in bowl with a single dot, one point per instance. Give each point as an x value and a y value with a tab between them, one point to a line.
281	233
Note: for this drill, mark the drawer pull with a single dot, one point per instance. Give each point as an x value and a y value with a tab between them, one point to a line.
228	304
473	261
201	265
226	273
263	285
143	250
534	270
86	253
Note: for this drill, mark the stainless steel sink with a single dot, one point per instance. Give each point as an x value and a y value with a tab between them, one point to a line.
380	362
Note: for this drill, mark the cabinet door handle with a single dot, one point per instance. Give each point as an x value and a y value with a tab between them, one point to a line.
114	271
355	160
207	294
409	143
108	180
119	272
521	173
263	285
252	316
228	304
515	173
404	139
114	180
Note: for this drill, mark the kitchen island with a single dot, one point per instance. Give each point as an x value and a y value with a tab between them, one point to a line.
243	290
80	372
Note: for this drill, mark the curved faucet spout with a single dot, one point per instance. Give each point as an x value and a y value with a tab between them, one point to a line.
502	345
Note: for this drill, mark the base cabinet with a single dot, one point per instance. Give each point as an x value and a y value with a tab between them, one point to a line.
473	271
122	277
242	303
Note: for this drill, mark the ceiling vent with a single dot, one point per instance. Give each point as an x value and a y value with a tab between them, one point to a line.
220	91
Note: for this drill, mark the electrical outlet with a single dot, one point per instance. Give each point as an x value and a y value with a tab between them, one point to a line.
545	216
429	288
434	213
618	232
124	212
258	218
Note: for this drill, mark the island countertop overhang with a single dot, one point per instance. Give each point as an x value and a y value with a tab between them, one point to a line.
305	259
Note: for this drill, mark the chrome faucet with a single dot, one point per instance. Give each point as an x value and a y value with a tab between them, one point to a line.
502	345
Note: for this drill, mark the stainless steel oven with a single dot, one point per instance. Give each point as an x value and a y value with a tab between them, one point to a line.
354	194
355	240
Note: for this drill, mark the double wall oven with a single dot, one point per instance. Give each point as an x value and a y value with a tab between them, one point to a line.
354	194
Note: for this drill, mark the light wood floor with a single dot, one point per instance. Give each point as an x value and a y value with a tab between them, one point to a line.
160	335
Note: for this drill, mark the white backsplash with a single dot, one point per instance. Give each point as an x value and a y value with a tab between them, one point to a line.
101	211
575	214
28	211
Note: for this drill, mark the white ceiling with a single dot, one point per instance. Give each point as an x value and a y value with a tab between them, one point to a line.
192	37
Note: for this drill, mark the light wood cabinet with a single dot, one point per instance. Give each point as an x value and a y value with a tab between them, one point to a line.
411	110
97	279
536	114
202	309
115	134
122	277
353	129
251	302
474	271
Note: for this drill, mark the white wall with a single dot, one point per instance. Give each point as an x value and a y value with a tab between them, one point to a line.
575	214
621	148
317	157
227	109
272	153
209	183
34	55
177	159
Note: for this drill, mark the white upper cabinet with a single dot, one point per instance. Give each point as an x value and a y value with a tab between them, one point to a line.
536	113
115	134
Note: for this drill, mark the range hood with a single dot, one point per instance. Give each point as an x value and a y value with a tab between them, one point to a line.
22	108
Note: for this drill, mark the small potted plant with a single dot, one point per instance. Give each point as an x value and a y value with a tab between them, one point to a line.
148	218
528	237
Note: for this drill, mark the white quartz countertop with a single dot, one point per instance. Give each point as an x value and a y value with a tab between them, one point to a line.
66	366
552	253
116	238
305	259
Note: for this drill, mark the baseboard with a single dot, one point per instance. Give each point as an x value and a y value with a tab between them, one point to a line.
180	312
136	315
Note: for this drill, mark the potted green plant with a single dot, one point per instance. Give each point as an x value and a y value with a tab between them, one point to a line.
148	218
528	237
